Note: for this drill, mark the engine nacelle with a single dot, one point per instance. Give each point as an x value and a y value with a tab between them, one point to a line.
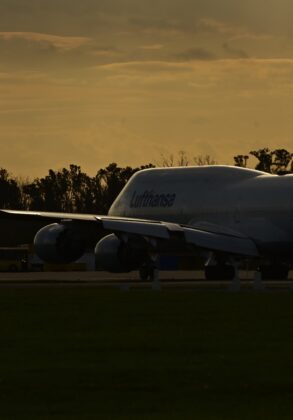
57	243
115	256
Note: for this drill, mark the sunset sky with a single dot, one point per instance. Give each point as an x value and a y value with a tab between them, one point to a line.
95	81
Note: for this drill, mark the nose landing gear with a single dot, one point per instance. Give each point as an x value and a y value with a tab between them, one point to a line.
276	271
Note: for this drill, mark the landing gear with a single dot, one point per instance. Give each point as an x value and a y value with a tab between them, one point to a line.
274	272
219	272
219	267
13	268
147	271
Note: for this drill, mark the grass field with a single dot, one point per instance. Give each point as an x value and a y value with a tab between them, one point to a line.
92	353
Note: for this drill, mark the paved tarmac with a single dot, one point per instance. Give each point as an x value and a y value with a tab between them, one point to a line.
125	281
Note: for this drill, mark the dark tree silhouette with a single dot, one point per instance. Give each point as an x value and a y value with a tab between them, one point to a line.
71	190
282	159
183	159
204	160
79	189
241	160
112	179
278	161
265	159
66	190
10	193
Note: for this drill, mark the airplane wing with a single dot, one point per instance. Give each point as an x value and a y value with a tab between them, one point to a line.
232	243
43	215
202	236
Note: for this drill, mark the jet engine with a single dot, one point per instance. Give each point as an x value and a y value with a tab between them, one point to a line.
114	255
57	243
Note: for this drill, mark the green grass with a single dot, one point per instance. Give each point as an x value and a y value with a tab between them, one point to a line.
77	353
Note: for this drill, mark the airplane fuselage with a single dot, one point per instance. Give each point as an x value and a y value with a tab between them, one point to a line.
257	204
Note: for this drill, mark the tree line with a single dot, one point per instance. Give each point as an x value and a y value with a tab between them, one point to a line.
66	190
72	190
277	161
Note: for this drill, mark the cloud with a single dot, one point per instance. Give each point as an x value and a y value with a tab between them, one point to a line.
104	52
157	106
33	51
219	27
195	54
155	24
70	70
242	77
233	31
234	52
64	43
145	66
153	47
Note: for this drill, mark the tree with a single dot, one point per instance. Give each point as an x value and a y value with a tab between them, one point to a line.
168	161
204	160
183	159
278	161
265	158
48	193
79	193
111	180
10	194
241	160
282	159
66	190
72	190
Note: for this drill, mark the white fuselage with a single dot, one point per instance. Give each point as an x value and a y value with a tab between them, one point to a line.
254	203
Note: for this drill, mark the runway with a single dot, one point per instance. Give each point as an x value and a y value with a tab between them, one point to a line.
184	280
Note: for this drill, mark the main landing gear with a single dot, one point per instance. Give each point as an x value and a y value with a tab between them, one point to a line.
224	271
276	271
220	272
147	272
218	267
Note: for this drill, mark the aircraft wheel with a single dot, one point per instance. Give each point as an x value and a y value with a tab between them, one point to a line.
219	272
146	272
13	268
274	272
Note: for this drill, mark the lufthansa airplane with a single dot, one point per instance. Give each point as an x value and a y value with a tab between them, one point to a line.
226	214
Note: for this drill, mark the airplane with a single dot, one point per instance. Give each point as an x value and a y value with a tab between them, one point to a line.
226	214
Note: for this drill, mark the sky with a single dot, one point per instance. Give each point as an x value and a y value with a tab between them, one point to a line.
97	81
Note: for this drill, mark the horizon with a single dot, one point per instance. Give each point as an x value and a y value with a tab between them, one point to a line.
93	172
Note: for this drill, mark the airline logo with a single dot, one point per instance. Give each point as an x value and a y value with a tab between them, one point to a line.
152	199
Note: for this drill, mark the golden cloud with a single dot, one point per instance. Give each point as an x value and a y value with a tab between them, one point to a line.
65	43
152	47
233	31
